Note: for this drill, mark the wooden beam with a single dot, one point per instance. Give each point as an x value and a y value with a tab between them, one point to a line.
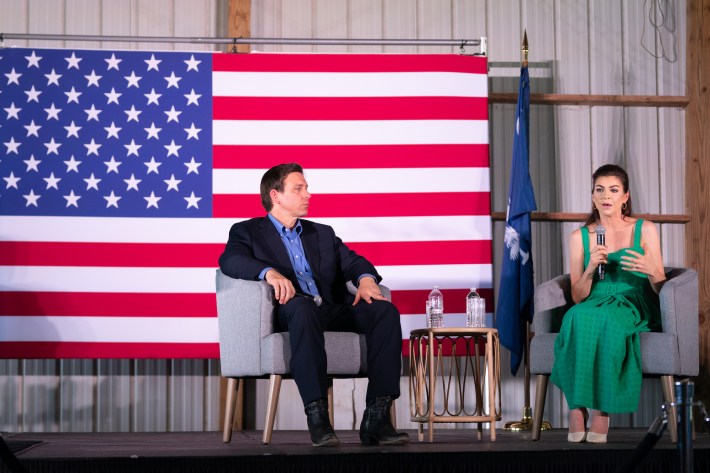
697	173
596	100
240	22
581	217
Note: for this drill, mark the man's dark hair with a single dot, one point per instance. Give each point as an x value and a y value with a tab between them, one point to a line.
274	179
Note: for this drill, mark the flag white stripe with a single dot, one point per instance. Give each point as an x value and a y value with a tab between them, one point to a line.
49	328
364	181
202	280
349	84
349	132
175	230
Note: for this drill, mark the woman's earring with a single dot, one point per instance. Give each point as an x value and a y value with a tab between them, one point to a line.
623	207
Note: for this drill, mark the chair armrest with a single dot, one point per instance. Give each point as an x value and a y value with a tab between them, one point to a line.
679	315
244	316
550	295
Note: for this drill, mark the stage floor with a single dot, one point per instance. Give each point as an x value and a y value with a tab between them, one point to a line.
290	451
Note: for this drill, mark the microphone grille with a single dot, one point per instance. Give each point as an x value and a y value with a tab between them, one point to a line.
600	230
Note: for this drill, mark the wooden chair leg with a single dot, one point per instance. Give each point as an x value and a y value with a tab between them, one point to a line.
232	387
669	396
393	415
239	411
271	405
331	407
540	395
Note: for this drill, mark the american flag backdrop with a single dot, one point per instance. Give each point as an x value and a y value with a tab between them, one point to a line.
122	171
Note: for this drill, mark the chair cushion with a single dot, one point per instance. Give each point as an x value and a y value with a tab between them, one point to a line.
345	351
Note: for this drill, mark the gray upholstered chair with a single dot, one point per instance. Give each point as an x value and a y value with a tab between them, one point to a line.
251	348
670	353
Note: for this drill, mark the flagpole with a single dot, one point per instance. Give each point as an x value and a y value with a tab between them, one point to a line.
527	421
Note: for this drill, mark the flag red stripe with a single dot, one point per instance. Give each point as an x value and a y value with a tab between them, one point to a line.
413	301
365	205
111	304
200	255
350	63
350	108
351	157
68	350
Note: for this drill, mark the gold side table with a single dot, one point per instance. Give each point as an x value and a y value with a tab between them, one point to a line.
470	351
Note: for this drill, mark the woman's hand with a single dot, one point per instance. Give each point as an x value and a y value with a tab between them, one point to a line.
643	263
599	255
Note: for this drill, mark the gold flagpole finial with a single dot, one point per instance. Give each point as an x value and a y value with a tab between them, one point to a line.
525	48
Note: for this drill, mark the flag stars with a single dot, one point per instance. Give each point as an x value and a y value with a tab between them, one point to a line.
112	200
172	148
33	60
12	146
192	98
72	130
112	62
112	166
132	183
132	113
192	132
33	95
73	61
192	200
152	165
31	198
32	129
132	148
32	163
133	80
73	95
172	183
152	200
52	147
192	63
152	62
53	78
72	164
13	77
52	181
11	180
173	80
92	113
153	131
112	96
52	112
92	148
93	79
173	114
193	166
13	112
92	182
112	131
72	199
153	97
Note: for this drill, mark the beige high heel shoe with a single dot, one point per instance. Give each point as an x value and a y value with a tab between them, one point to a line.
594	437
577	437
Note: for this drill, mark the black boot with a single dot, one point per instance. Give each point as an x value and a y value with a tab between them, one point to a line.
322	434
376	427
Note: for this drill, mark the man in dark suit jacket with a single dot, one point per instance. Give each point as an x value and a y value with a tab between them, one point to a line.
308	267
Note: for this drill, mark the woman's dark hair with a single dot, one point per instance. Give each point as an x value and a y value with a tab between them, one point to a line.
274	179
609	170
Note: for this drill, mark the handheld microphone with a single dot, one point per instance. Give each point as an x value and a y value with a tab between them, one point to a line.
317	299
601	240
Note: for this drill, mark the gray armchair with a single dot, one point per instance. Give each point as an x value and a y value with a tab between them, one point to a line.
670	353
251	348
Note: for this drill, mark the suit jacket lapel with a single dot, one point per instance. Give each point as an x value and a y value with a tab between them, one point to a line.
274	243
309	238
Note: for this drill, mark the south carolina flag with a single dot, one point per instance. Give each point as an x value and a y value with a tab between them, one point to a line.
121	173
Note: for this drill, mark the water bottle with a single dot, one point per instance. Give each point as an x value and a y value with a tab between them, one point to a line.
475	310
435	308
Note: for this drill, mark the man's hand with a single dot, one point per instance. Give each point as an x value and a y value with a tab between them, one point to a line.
283	287
368	290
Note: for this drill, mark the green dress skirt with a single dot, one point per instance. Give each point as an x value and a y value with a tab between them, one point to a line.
597	352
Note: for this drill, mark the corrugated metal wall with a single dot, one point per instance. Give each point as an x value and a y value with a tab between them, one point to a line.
576	47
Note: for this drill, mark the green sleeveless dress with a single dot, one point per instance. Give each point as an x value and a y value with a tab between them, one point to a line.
597	352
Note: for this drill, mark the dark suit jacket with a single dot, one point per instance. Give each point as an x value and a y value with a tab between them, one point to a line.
256	244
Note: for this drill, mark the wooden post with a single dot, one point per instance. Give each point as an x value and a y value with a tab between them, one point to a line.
240	22
697	174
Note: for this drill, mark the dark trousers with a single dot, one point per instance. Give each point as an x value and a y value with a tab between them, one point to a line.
306	324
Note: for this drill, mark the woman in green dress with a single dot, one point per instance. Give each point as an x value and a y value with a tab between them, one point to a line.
597	353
